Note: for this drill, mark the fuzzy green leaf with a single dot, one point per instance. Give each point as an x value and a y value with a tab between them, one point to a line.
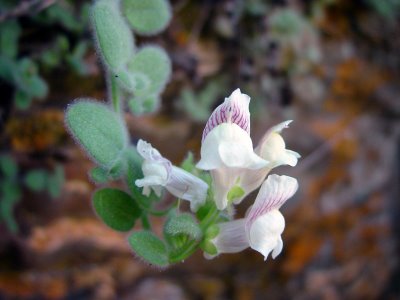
115	39
149	247
154	63
22	100
8	167
134	171
116	208
144	105
10	32
131	81
147	17
99	175
55	182
27	79
7	69
285	23
182	225
36	180
99	130
10	193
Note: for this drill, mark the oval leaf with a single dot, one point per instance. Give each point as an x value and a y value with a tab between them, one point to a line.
149	247
113	35
147	17
99	130
36	180
154	63
8	166
55	182
144	105
116	208
183	224
99	175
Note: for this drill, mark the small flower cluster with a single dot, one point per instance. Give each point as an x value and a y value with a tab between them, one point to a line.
236	169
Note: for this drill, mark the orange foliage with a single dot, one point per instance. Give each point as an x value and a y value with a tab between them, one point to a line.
354	83
37	132
66	231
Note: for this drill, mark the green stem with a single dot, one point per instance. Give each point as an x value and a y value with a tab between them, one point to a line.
115	97
210	218
149	210
145	222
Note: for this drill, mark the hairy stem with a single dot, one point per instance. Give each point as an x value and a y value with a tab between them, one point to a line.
115	96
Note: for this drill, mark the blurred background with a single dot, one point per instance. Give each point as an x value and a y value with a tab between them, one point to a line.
333	66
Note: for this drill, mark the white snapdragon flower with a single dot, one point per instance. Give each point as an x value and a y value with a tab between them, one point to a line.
226	137
227	147
159	172
261	229
227	150
272	148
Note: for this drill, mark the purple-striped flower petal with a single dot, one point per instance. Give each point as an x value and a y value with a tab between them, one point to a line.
274	192
235	109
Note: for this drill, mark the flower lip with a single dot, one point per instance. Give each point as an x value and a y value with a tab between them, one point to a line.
272	147
274	192
228	145
235	109
274	129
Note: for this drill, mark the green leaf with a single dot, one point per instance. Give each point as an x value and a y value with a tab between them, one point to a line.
7	67
22	100
36	87
149	247
199	105
132	82
76	58
189	164
55	182
144	105
116	208
147	17
36	180
10	194
285	23
10	32
136	106
134	171
115	39
8	166
10	191
154	63
99	175
117	170
205	209
181	225
63	13
99	130
27	79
